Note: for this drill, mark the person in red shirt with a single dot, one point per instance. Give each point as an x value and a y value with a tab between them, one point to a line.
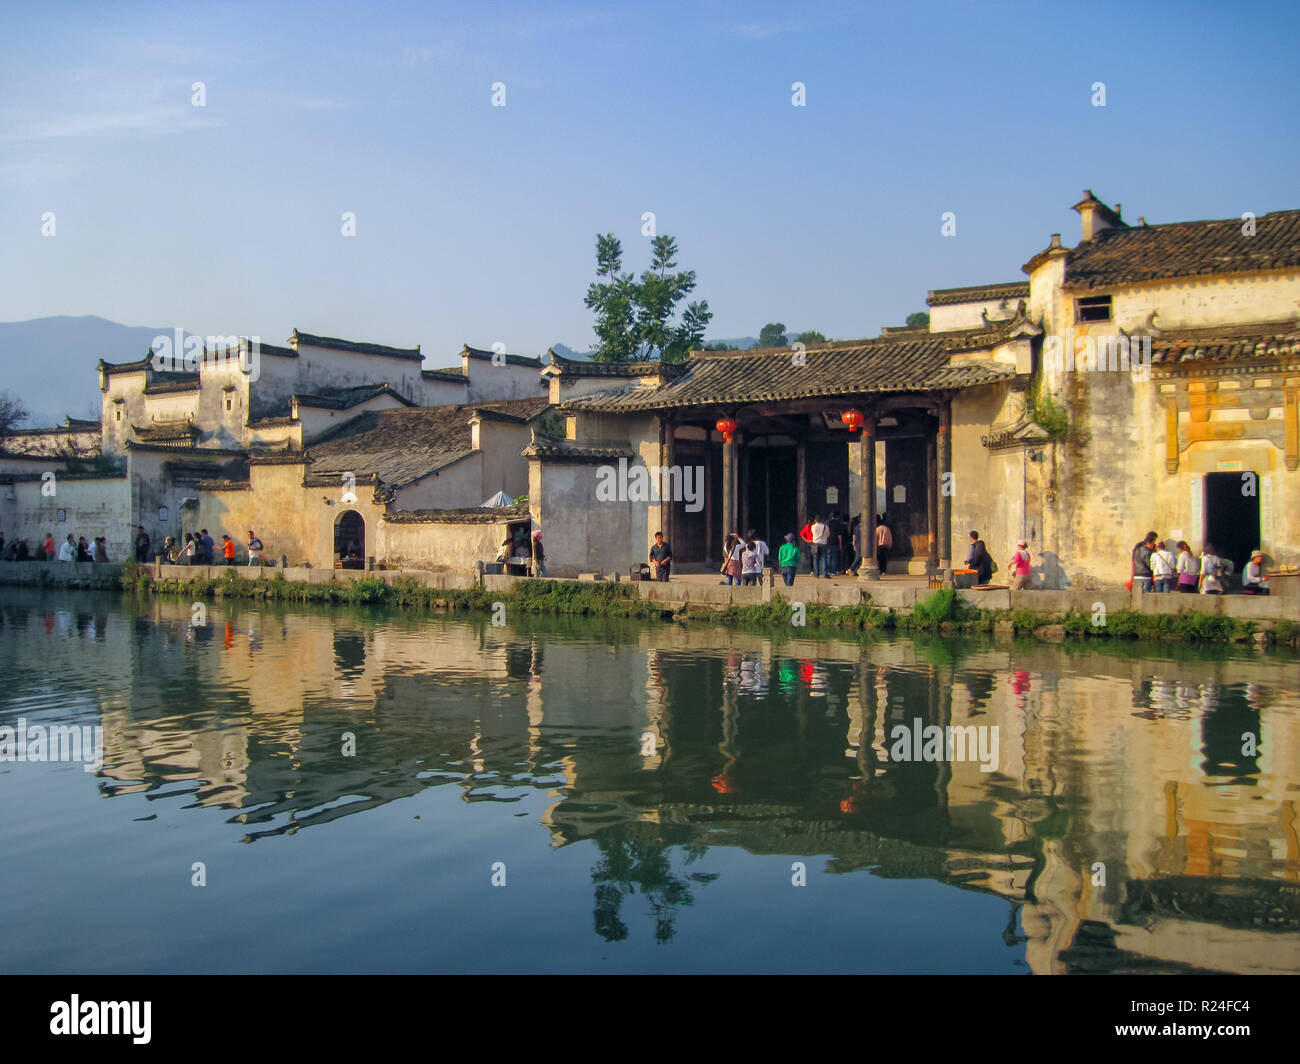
228	549
49	546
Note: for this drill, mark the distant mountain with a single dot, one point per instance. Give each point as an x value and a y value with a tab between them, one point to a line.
49	363
564	351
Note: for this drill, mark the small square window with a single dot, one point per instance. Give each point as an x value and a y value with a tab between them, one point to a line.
230	404
1094	308
61	516
162	513
118	414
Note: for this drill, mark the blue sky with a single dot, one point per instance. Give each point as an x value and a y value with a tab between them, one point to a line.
477	223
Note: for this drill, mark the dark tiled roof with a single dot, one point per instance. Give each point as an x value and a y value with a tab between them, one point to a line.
576	367
165	432
1227	343
346	398
162	383
451	376
511	360
225	485
127	367
1184	249
887	364
280	458
272	422
586	451
469	515
978	293
401	446
308	339
77	424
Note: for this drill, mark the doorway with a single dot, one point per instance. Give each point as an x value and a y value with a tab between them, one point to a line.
350	540
1232	515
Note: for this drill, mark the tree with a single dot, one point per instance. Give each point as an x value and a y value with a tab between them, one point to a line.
718	345
772	335
634	316
12	413
917	320
812	336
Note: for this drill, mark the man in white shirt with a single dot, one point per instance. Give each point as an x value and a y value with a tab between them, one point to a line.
68	552
821	537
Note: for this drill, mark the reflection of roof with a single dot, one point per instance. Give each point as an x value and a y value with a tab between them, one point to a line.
401	446
1184	249
1225	343
978	293
904	362
302	339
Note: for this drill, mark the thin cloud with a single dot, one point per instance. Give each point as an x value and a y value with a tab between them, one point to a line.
159	120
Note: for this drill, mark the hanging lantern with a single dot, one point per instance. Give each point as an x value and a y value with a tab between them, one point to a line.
854	418
727	426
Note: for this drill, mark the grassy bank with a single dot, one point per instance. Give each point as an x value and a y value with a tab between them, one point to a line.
941	612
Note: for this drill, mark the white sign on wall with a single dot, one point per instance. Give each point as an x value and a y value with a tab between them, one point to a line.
1198	529
900	493
832	496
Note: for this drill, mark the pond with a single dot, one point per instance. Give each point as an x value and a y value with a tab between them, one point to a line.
230	787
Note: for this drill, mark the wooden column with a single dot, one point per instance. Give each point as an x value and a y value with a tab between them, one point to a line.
946	485
667	458
931	506
742	461
869	570
728	488
801	513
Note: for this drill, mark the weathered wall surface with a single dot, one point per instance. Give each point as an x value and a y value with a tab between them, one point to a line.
437	546
91	506
583	534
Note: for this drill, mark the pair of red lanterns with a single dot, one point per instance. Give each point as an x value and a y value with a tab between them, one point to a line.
853	417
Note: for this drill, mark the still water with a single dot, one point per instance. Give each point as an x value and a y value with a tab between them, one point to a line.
361	791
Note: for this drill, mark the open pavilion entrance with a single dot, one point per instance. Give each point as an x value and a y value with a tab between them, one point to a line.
789	461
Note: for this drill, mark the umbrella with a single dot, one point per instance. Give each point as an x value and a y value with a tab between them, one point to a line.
498	500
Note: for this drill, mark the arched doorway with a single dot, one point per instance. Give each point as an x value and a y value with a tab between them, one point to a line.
350	540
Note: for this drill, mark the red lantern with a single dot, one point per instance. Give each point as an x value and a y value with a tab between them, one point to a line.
855	419
727	426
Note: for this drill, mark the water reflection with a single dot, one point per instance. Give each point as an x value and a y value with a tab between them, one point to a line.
1140	815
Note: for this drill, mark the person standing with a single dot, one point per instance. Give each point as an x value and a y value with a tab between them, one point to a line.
731	550
661	557
855	544
189	553
254	549
141	544
884	541
83	550
1142	552
1020	566
101	549
1211	579
751	563
48	546
1163	567
978	558
788	559
209	547
1252	577
834	543
228	549
1187	569
539	554
821	536
68	551
762	546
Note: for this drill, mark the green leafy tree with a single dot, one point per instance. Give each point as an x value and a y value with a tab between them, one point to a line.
634	317
718	345
812	336
772	335
920	318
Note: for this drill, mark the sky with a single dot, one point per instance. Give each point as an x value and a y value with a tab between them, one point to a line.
476	223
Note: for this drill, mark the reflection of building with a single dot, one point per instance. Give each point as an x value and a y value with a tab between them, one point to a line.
1108	762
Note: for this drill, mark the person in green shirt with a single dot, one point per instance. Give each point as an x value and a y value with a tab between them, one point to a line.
788	559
